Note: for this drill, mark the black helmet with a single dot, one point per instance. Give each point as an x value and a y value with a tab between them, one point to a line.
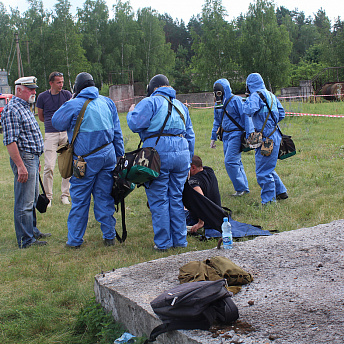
157	81
82	81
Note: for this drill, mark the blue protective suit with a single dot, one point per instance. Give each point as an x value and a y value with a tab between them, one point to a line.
165	193
254	107
100	126
232	136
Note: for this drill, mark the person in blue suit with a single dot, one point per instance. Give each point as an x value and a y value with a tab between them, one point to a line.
272	187
100	138
233	104
175	148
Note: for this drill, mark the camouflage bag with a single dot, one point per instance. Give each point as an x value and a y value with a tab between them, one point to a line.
287	147
140	166
79	167
255	139
267	147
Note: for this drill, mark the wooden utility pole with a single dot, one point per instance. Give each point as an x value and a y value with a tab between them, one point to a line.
28	56
19	60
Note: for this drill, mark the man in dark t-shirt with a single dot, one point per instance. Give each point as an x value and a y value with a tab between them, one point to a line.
47	103
203	180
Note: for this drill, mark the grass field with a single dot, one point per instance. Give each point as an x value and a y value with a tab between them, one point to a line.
44	288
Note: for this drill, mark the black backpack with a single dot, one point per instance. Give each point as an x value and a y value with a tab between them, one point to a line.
194	305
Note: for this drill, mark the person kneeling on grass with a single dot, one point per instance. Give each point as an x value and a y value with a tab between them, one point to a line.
203	180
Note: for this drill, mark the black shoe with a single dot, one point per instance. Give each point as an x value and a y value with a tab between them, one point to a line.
43	235
36	243
73	247
281	196
109	242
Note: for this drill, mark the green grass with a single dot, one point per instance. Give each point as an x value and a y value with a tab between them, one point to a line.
320	107
43	289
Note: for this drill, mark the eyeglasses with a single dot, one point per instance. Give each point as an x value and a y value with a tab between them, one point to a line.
52	76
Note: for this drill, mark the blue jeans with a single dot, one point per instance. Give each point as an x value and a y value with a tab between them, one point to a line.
25	198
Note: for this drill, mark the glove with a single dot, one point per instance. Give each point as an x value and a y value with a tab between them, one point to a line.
212	144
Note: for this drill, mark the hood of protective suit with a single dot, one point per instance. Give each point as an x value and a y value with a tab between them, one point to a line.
166	91
226	89
255	82
89	92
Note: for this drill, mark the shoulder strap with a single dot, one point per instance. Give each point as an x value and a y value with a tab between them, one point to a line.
178	324
224	108
40	181
170	104
261	95
79	120
179	112
232	119
124	227
165	121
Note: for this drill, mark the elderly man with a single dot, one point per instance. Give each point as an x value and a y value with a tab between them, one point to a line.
24	143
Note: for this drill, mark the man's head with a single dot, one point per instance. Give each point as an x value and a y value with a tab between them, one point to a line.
196	165
25	88
157	81
56	82
82	81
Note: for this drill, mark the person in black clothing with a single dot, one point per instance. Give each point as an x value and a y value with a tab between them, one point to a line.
203	180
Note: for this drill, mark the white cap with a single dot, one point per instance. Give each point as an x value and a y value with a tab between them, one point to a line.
28	81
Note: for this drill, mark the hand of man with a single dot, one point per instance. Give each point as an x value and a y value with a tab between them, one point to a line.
212	144
23	175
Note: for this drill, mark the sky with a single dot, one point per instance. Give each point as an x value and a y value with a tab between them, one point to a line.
185	9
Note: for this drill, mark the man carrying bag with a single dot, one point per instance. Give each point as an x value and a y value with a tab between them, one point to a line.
97	146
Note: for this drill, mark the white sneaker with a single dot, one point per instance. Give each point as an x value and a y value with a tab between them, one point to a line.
64	200
49	204
238	194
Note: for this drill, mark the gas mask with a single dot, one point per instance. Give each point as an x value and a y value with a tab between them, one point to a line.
218	94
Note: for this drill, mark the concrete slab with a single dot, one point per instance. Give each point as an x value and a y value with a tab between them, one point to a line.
297	295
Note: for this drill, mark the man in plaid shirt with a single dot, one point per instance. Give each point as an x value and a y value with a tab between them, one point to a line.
24	142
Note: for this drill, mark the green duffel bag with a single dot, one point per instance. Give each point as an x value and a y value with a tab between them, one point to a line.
225	268
140	166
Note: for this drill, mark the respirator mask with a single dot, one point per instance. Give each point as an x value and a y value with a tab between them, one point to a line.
218	94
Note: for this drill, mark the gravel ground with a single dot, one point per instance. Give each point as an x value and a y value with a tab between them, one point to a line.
297	295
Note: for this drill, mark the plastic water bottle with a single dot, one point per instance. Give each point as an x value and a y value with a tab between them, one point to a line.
227	238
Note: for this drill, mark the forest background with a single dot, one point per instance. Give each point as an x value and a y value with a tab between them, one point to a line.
284	46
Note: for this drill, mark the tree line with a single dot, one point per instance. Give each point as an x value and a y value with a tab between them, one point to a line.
283	45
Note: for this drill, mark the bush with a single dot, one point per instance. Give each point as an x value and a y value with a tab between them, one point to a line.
96	326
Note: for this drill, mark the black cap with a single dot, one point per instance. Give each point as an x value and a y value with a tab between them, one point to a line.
157	81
